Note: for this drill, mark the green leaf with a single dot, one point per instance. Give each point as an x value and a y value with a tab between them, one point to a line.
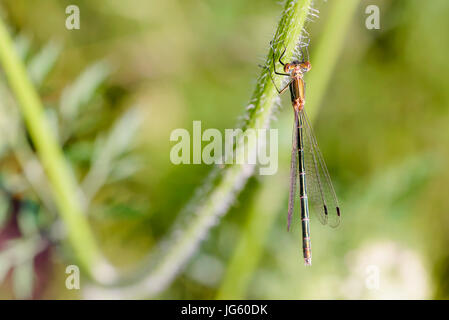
43	62
82	90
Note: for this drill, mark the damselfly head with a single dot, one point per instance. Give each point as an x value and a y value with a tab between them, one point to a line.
297	68
291	67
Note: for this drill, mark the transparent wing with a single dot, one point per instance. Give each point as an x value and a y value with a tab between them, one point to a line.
320	191
293	173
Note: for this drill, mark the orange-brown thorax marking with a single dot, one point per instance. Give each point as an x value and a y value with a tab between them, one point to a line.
297	69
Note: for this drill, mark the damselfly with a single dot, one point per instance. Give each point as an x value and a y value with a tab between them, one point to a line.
315	185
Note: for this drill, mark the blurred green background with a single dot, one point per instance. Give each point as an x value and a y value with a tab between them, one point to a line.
137	70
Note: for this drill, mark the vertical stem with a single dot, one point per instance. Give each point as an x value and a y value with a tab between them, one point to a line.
63	184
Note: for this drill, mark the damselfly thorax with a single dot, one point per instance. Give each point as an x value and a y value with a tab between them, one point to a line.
296	70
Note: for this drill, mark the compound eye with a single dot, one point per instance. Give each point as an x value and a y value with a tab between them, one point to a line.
287	67
307	66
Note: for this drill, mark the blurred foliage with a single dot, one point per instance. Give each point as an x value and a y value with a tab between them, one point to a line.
382	128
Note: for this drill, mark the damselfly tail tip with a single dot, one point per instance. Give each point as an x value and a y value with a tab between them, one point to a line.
338	211
307	261
325	210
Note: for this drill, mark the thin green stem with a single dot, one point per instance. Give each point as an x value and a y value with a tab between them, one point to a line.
62	181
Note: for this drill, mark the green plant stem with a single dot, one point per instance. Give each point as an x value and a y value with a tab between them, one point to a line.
63	184
186	237
256	229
